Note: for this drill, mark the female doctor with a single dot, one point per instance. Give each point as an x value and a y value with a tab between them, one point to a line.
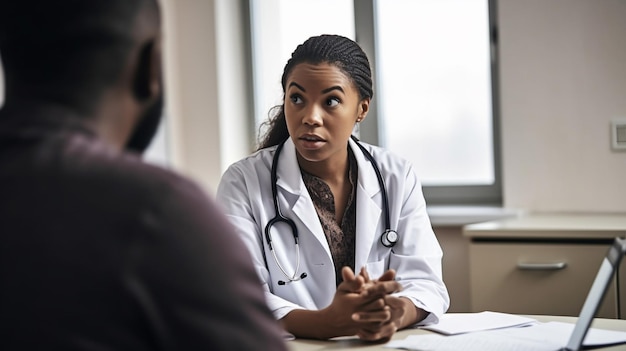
314	206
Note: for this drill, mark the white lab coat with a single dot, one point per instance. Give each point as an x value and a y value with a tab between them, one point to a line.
246	196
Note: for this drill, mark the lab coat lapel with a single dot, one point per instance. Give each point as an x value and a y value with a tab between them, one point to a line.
290	180
368	212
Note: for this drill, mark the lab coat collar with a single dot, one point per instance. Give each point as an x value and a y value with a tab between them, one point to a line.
289	179
368	213
288	174
367	175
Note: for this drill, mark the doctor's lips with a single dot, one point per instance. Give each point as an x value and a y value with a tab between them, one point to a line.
311	137
311	141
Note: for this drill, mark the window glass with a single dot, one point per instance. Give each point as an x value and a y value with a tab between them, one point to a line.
277	27
434	88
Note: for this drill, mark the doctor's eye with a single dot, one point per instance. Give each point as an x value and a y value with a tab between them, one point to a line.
333	101
296	99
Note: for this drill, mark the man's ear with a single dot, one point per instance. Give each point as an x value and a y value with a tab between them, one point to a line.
147	79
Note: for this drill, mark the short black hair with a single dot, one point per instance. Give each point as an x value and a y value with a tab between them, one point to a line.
67	51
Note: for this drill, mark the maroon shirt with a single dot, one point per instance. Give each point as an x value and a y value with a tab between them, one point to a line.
100	251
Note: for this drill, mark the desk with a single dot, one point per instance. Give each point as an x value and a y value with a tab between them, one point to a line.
356	344
566	251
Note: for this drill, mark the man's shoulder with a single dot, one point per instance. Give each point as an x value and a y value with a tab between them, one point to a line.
122	172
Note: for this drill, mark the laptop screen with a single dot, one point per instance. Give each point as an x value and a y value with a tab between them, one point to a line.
596	294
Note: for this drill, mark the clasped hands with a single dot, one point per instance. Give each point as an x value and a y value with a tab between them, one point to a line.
365	307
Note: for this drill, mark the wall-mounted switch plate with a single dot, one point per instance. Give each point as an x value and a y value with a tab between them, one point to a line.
618	134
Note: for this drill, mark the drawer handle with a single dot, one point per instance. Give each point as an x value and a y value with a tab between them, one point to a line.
541	266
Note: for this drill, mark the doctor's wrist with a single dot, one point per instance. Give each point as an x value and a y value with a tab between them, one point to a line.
311	324
413	314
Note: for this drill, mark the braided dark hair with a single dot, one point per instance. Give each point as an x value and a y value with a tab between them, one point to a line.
336	50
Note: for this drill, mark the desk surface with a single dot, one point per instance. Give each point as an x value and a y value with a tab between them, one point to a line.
356	344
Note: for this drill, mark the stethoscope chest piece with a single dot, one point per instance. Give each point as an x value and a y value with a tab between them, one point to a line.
389	238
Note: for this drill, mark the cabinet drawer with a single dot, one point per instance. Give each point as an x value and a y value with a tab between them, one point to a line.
536	278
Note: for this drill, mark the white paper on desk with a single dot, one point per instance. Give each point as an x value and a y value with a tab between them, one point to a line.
458	323
549	336
469	342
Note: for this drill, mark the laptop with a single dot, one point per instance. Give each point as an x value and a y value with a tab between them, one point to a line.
609	266
543	336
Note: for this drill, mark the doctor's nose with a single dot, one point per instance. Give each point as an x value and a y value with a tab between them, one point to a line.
312	116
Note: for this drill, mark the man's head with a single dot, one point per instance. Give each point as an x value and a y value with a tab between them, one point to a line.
74	53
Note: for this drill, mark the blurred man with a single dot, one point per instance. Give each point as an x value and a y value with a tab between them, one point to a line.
98	250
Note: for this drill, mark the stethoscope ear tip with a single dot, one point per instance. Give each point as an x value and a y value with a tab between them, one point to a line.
302	276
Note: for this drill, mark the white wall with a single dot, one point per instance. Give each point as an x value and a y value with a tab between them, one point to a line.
206	101
563	78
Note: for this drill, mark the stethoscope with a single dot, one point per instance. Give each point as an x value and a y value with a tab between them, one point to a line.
388	238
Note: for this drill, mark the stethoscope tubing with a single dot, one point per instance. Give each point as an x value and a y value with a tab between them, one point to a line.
279	217
381	181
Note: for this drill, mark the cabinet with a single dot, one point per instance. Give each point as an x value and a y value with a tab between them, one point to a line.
543	264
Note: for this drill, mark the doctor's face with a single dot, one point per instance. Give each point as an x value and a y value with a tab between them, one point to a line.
321	107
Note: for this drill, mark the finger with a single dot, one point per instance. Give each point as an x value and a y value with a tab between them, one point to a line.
397	308
383	288
376	304
375	339
350	283
393	301
389	275
378	316
365	274
347	274
381	333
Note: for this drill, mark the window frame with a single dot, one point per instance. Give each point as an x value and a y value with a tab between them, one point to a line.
369	131
366	27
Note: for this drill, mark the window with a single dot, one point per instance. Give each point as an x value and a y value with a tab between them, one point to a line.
277	27
435	66
434	73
